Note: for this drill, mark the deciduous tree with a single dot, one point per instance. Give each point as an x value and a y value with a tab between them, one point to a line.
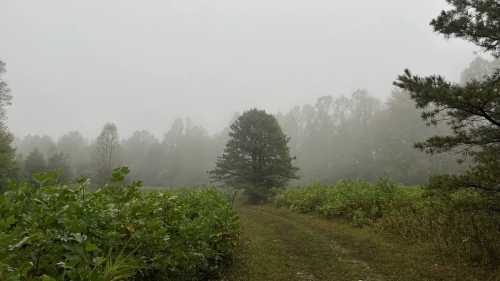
7	153
106	152
60	163
34	163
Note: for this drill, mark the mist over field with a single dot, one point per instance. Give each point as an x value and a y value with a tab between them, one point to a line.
78	64
230	140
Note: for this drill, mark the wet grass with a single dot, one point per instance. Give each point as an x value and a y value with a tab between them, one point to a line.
277	244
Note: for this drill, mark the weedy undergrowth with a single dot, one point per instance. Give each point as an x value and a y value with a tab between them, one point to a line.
463	224
65	232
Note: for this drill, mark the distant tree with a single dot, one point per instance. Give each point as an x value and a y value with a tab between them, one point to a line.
196	153
60	163
174	135
8	167
106	153
34	163
363	109
479	69
44	144
135	152
173	164
71	142
5	97
7	153
472	110
76	148
189	153
256	157
19	166
154	169
396	129
137	145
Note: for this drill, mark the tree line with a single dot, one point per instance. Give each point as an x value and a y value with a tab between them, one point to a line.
348	137
180	158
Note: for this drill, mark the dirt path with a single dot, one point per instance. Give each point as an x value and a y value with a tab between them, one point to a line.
280	245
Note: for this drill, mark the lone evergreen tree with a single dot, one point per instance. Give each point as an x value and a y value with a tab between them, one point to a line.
256	157
472	110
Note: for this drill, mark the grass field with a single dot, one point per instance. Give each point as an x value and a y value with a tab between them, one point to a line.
277	244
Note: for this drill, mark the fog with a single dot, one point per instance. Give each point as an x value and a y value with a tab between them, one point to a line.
74	65
249	140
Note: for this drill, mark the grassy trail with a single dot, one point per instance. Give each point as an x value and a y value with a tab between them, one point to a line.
280	245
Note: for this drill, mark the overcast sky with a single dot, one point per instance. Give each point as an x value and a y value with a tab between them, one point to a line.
76	64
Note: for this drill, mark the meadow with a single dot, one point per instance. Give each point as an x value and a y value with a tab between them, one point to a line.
121	231
461	225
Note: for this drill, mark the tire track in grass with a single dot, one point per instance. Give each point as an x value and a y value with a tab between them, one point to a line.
277	248
280	245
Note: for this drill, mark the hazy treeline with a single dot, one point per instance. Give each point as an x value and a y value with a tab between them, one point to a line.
180	158
360	137
347	137
356	137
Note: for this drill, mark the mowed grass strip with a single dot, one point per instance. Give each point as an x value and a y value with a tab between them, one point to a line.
277	247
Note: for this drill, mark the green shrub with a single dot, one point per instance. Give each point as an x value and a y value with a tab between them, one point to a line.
59	232
359	202
462	223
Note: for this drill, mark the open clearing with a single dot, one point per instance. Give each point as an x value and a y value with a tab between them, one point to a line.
277	244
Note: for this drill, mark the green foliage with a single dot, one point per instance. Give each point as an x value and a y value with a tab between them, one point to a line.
8	166
7	153
357	201
477	21
472	109
60	232
34	163
74	145
461	223
256	157
61	163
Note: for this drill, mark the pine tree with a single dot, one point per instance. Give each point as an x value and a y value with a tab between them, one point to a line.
256	157
477	21
472	110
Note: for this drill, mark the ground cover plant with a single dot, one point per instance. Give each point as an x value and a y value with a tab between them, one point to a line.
50	231
462	224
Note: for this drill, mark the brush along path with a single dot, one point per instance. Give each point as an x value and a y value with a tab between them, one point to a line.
280	245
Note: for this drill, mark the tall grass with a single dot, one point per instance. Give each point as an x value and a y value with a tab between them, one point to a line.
462	224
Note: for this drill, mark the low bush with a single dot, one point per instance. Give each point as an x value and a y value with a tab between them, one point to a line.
463	223
60	232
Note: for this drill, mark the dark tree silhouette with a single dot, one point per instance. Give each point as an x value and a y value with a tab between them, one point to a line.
256	157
